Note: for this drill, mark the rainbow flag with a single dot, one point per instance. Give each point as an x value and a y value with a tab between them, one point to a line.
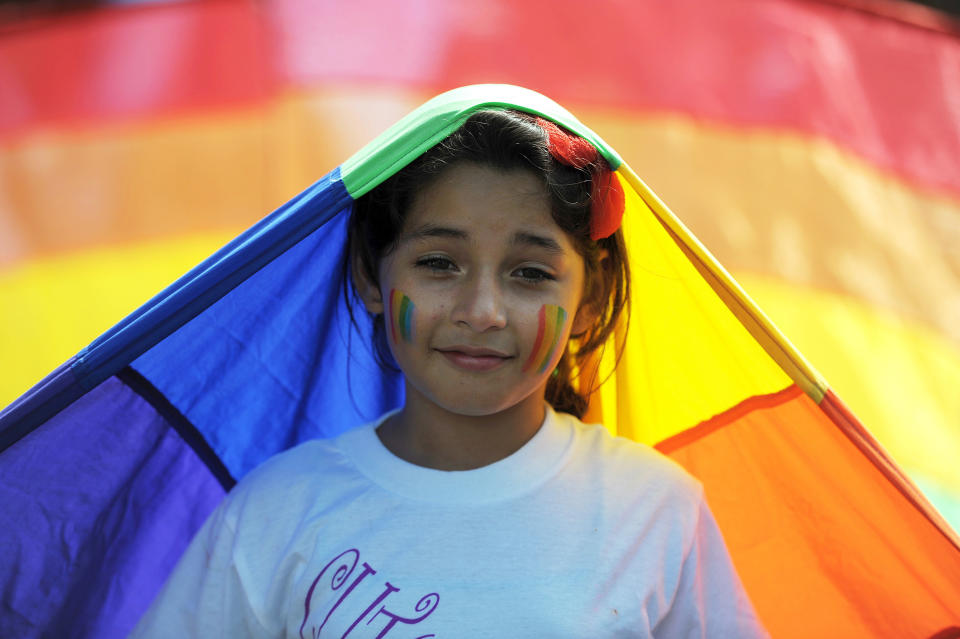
248	354
111	462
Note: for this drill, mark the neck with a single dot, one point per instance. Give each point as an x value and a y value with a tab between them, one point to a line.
425	434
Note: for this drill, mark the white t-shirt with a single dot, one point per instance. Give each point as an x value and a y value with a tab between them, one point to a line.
577	534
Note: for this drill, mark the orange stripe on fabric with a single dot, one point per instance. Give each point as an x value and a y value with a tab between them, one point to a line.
133	184
181	175
826	544
837	411
128	182
739	411
911	376
848	423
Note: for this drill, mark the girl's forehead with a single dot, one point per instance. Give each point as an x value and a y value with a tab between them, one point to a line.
482	198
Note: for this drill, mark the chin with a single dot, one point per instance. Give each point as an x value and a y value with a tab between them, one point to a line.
476	410
479	406
473	397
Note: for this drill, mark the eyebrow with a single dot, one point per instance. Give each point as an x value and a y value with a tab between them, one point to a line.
540	241
432	230
520	238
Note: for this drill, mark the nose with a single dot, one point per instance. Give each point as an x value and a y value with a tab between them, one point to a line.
479	303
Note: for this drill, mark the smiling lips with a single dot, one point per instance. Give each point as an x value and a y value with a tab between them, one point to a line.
474	359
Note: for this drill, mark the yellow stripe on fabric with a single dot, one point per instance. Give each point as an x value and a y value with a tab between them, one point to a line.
872	260
801	209
608	391
898	377
70	190
736	299
686	356
179	175
55	306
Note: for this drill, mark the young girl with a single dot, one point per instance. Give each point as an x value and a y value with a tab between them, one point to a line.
482	507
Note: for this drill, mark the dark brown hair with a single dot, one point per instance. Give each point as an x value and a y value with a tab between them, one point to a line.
505	140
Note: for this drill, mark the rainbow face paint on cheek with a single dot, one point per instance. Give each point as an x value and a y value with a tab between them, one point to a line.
401	316
549	329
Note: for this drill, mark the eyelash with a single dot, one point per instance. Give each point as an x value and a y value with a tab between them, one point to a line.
535	275
440	264
436	263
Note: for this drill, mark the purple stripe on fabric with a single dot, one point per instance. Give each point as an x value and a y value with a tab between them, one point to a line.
98	505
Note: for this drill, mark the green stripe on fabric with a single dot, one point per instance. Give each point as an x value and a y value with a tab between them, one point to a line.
436	119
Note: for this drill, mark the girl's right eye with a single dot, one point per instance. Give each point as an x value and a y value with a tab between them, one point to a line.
436	263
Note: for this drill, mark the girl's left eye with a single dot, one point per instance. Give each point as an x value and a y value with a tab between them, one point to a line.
533	274
436	263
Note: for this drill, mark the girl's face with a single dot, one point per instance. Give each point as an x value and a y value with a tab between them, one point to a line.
482	291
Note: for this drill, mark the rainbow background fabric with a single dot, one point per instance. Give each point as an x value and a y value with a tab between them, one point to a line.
814	147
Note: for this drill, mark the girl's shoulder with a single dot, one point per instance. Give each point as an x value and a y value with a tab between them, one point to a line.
301	460
619	461
631	486
297	475
325	457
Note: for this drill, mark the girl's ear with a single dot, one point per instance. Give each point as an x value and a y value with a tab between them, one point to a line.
586	316
366	289
591	304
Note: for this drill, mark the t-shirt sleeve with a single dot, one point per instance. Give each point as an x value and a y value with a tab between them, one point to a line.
710	600
205	594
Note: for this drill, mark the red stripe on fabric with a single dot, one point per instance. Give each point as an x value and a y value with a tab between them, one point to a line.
908	12
848	423
873	84
123	63
729	416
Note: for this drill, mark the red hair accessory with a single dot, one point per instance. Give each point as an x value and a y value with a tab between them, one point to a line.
606	210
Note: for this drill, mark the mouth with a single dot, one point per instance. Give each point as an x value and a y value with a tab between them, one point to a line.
474	359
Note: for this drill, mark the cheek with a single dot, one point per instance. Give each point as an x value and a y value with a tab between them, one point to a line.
400	310
551	322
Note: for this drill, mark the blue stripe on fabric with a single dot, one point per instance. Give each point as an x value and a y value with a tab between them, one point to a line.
277	360
176	305
38	404
254	349
213	277
187	431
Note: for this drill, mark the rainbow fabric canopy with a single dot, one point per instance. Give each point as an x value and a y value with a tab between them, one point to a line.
111	463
